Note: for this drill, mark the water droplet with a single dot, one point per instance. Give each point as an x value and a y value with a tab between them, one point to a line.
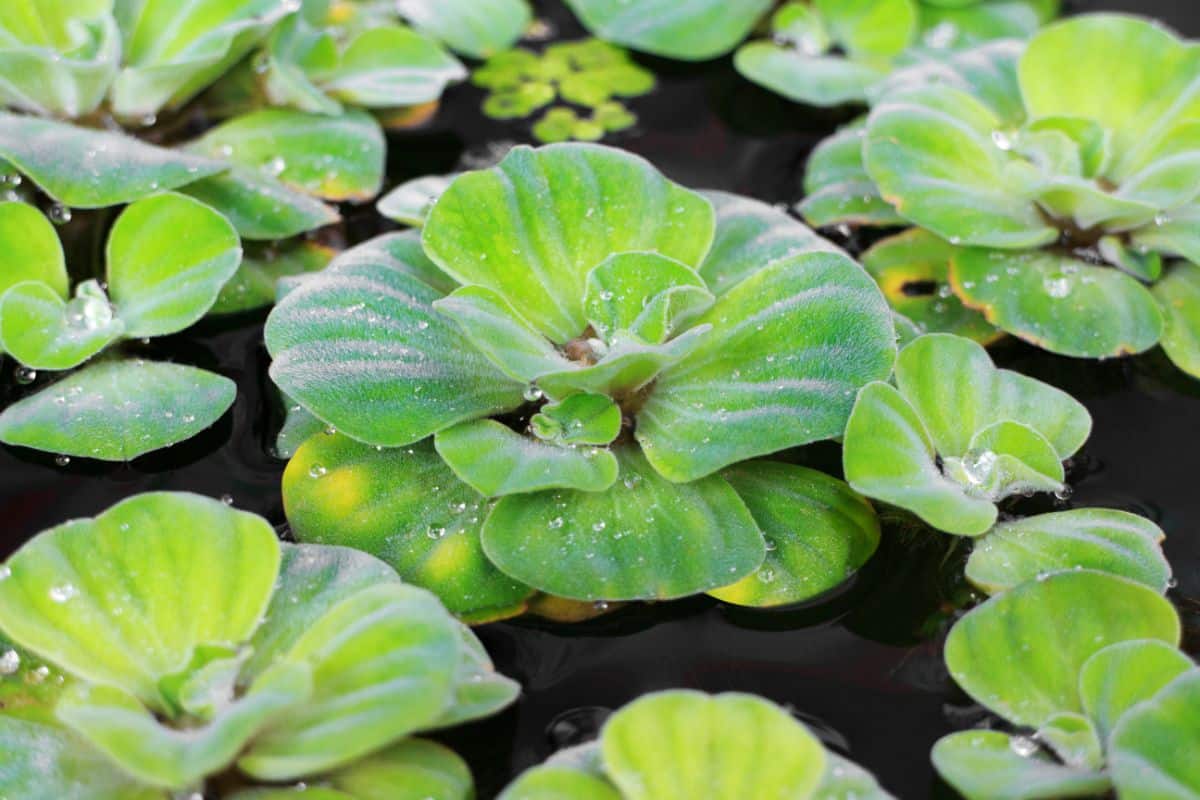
60	214
978	466
275	166
1002	140
316	471
227	499
1023	746
576	726
62	460
532	394
435	532
63	593
766	575
599	525
25	375
10	662
1057	286
942	35
5	572
330	430
555	523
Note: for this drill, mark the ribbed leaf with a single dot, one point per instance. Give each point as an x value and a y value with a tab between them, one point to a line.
41	331
983	764
789	347
260	207
643	538
1152	745
361	346
30	250
118	410
1121	676
837	186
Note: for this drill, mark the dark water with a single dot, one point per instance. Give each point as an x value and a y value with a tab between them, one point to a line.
862	667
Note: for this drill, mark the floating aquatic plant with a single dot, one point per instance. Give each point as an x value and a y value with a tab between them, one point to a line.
168	256
954	436
1066	193
830	52
180	647
559	384
690	30
1086	666
688	744
589	73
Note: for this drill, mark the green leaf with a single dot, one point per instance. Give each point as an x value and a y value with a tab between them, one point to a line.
554	213
888	455
361	346
912	269
42	331
1122	675
168	257
392	66
382	664
118	725
873	28
837	187
789	347
405	507
173	51
1152	746
255	284
298	426
691	30
987	764
57	61
46	761
331	157
260	207
845	780
723	747
932	152
413	769
495	460
1178	235
649	295
1148	96
644	538
751	234
555	782
579	419
497	331
817	531
1004	459
411	202
85	168
813	79
477	28
479	691
957	391
1020	653
1178	296
519	101
1074	739
118	410
30	250
103	596
980	22
1059	303
1099	539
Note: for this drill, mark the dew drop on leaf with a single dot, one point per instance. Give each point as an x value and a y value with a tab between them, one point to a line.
63	593
10	662
25	375
60	214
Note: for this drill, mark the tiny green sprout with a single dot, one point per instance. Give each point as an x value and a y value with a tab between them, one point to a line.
1069	206
113	408
1086	666
688	744
173	646
831	52
589	74
563	380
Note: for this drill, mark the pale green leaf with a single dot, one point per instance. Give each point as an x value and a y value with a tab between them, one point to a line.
477	28
1119	677
985	765
41	331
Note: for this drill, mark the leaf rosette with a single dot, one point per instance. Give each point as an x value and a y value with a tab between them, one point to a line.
185	649
560	381
168	257
689	744
1070	201
1086	665
832	52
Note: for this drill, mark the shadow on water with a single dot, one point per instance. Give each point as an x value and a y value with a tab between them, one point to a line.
863	666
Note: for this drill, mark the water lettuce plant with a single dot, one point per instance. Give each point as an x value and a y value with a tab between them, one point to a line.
561	381
830	52
1085	665
168	256
173	645
688	744
1069	197
954	436
588	73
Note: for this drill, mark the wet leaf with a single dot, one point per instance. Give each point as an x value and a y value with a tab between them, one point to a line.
85	168
42	331
645	294
982	764
643	538
260	207
118	410
411	202
1151	745
579	419
255	284
391	66
1119	677
1178	296
837	186
690	30
30	250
